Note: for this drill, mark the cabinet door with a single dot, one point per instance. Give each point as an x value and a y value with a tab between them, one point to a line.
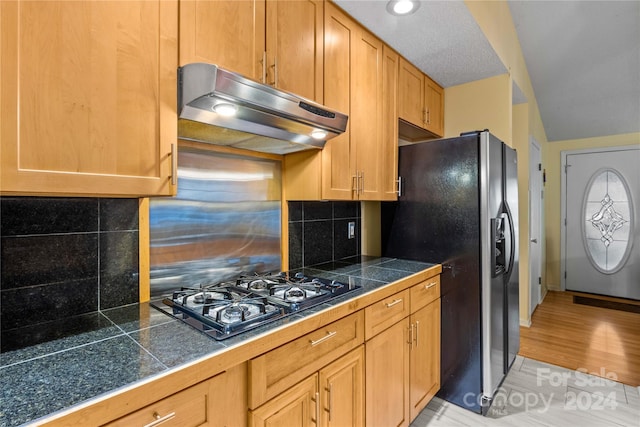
411	94
296	407
425	356
342	388
366	114
434	106
230	34
295	46
389	166
387	377
88	95
338	165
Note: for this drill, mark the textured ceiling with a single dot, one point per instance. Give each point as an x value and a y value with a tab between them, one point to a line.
441	38
583	57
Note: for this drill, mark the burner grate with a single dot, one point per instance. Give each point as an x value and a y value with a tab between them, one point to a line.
227	309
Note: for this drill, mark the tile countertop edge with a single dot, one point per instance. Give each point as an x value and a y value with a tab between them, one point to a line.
118	403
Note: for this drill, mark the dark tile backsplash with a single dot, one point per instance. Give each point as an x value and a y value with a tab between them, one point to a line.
318	232
62	257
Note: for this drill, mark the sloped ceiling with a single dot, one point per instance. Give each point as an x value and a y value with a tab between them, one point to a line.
583	57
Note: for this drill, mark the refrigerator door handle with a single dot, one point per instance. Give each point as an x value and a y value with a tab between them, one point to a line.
498	260
512	237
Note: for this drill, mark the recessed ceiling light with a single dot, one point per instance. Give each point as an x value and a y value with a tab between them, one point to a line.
226	110
318	134
402	7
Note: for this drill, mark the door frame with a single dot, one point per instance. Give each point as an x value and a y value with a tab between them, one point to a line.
563	201
535	287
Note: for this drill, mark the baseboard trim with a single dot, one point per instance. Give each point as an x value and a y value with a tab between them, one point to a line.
604	298
606	303
525	323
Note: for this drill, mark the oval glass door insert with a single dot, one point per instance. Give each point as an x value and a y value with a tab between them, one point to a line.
608	216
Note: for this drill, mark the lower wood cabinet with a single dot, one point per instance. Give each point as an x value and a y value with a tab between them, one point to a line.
219	401
424	357
402	361
278	370
387	377
341	391
298	406
332	397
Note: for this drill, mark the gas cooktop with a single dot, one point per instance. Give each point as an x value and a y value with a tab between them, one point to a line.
226	309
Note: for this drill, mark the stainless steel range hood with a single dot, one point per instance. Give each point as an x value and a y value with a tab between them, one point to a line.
264	118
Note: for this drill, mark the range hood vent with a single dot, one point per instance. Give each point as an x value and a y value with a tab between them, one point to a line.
224	108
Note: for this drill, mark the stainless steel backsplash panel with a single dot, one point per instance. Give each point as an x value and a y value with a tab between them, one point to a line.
225	219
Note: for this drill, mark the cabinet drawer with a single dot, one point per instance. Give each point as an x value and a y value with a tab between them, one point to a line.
279	369
381	315
188	408
425	292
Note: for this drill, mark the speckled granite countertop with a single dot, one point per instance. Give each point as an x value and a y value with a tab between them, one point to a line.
136	342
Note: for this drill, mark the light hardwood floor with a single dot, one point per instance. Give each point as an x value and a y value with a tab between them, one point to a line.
601	341
539	394
585	348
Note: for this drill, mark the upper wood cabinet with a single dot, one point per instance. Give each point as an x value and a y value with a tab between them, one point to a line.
420	99
354	165
434	106
230	34
389	162
338	163
88	97
366	116
279	43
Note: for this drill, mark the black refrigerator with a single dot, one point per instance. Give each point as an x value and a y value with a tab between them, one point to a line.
458	206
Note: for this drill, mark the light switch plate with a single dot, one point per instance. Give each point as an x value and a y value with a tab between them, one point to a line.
351	231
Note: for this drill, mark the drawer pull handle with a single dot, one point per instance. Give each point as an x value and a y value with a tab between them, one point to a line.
159	420
394	302
431	285
326	337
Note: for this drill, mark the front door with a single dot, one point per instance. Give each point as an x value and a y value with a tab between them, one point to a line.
602	250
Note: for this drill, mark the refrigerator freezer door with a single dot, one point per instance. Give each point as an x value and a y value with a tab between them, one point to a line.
437	220
492	284
512	336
